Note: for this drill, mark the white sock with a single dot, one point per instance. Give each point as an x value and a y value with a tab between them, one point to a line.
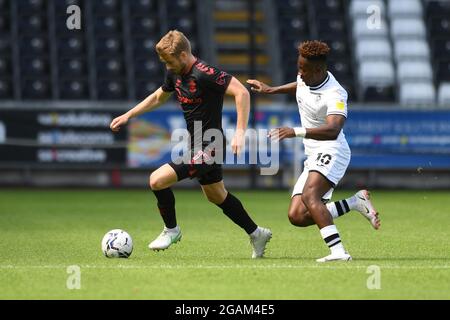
331	237
172	230
339	208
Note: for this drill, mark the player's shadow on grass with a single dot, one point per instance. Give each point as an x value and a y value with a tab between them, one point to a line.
400	258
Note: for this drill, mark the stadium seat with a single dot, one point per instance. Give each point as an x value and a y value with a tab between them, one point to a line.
377	49
110	45
143	25
62	5
5	45
292	6
408	28
71	46
5	66
411	50
179	5
34	66
376	73
185	24
110	67
32	24
146	87
439	25
36	88
359	8
107	6
443	70
441	48
74	89
362	30
444	95
142	6
378	93
144	46
111	89
31	6
404	8
330	26
5	89
414	71
417	94
437	8
148	68
108	25
72	67
4	24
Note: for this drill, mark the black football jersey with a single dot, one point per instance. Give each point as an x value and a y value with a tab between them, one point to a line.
200	93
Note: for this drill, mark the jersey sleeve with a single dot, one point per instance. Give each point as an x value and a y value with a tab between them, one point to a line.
168	85
213	78
337	104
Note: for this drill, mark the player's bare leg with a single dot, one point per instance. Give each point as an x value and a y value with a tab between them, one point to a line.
298	213
315	187
160	182
233	209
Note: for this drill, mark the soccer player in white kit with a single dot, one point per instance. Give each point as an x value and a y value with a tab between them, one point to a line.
322	104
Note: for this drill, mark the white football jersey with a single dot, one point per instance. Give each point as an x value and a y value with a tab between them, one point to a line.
315	104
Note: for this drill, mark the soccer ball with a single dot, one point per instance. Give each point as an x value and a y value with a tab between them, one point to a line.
117	243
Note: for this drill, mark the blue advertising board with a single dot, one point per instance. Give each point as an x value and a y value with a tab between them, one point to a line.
378	139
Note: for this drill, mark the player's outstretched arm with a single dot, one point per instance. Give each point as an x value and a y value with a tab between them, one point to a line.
329	131
153	101
242	98
261	87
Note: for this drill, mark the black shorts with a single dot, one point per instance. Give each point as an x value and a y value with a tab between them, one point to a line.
205	173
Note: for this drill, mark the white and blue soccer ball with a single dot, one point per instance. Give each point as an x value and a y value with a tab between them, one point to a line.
117	243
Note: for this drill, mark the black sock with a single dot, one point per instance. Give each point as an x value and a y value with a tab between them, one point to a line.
166	206
234	210
342	207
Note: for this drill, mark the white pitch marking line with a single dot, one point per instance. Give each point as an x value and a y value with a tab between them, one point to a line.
329	266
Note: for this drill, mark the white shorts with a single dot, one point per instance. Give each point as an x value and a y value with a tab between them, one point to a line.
330	162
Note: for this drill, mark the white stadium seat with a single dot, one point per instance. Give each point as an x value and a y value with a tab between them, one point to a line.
378	49
444	95
363	29
404	8
414	71
417	94
411	50
410	28
376	73
359	8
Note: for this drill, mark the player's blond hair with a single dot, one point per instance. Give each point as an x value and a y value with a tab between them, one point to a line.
173	43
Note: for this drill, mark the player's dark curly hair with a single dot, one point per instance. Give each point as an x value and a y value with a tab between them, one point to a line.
314	50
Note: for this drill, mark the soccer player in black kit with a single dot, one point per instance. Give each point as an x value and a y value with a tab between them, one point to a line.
200	89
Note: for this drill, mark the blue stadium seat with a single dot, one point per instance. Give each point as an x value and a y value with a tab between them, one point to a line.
441	48
143	6
180	5
71	46
185	24
146	87
5	88
62	5
108	25
147	68
4	24
437	8
439	26
33	24
144	46
74	89
112	89
107	67
31	6
72	67
143	25
291	6
5	44
101	7
34	66
110	45
5	66
443	70
36	88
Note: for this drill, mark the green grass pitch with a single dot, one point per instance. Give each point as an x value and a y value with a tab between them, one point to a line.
44	232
